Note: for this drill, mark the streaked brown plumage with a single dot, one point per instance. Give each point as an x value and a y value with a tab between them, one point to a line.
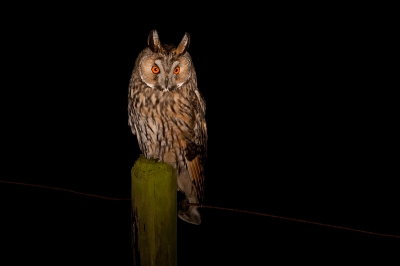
167	114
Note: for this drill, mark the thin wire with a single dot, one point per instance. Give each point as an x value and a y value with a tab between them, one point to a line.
65	190
209	207
292	219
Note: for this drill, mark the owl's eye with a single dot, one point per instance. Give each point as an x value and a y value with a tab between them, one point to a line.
177	70
155	70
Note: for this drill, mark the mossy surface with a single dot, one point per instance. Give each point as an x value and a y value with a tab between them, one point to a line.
154	199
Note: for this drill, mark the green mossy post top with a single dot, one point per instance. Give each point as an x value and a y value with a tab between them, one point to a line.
154	209
145	169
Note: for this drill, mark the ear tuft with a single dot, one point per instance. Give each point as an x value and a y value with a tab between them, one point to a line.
184	44
153	41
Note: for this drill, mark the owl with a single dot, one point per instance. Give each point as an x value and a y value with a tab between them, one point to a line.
167	114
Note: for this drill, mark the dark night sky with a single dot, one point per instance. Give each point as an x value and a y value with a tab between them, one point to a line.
300	120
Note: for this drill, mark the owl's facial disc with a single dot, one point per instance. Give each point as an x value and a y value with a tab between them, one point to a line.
168	73
165	73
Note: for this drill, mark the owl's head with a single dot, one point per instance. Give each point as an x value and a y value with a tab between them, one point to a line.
165	67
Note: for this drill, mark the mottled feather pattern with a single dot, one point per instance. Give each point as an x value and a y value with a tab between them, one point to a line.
167	114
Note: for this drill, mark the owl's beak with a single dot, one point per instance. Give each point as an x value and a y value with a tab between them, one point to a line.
166	82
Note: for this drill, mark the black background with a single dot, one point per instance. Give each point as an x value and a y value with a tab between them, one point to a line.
302	123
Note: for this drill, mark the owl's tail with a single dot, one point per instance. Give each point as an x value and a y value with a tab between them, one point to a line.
189	213
188	194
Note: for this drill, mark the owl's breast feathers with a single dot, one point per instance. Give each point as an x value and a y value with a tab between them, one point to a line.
170	126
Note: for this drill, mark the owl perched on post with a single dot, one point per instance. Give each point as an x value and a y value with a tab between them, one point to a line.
167	114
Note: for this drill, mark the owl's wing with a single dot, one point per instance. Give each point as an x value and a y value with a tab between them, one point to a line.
133	127
196	150
131	110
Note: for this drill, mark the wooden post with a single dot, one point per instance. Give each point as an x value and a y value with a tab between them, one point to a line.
154	213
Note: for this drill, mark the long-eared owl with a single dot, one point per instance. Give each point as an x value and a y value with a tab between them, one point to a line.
167	114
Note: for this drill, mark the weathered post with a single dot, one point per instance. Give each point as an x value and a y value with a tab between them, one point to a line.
154	213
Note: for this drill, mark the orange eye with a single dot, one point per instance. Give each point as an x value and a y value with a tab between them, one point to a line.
155	70
177	70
